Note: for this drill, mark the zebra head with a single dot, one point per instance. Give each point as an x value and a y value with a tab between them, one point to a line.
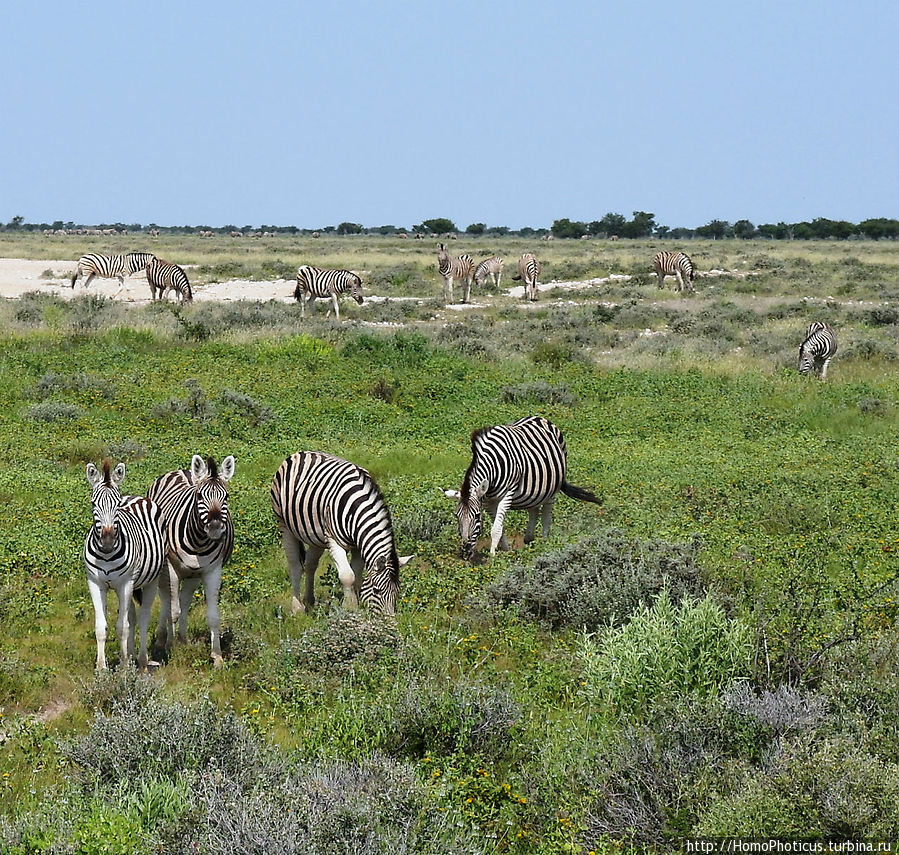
356	289
381	585
211	484
106	499
468	513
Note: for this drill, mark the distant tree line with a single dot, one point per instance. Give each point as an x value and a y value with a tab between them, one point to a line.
641	225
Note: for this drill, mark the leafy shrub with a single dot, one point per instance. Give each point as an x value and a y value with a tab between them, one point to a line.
87	312
666	651
254	412
127	449
599	581
53	411
539	391
52	383
196	406
882	316
784	711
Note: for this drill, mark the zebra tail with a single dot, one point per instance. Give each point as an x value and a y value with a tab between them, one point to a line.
580	493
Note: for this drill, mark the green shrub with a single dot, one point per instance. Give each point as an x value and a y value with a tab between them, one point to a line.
53	411
539	392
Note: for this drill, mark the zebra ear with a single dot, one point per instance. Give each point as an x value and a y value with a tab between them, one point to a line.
452	494
405	559
481	488
226	470
93	475
197	467
118	474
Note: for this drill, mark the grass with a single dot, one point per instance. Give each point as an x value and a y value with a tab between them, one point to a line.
684	412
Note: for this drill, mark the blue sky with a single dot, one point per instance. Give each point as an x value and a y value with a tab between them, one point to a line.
507	113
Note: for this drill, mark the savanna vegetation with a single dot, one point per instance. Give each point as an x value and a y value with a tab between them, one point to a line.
713	651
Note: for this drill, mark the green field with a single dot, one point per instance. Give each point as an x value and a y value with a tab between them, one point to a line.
713	651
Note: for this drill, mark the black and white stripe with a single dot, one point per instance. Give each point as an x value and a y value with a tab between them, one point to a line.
164	276
516	466
324	502
666	263
124	550
492	267
315	282
818	349
454	269
528	271
110	266
200	535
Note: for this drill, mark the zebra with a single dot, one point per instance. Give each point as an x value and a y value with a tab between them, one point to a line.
110	266
667	263
492	267
314	282
164	276
200	534
528	270
324	502
521	465
461	268
818	349
124	550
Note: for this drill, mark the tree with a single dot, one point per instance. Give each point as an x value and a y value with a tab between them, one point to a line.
437	226
612	224
498	231
349	229
716	229
15	222
744	229
779	231
564	228
662	231
475	229
640	226
879	227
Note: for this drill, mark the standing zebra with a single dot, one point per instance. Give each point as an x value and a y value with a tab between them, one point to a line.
200	534
818	349
677	264
323	502
492	267
461	268
528	270
110	266
124	550
519	466
164	276
313	282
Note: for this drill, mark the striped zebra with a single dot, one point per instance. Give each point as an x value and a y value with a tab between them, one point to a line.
164	276
323	502
110	266
200	534
516	466
492	267
314	282
528	271
818	349
124	550
450	269
666	263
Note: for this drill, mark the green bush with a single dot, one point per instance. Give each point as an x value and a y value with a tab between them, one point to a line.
538	392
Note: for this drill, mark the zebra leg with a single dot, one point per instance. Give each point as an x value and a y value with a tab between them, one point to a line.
90	278
98	597
533	513
335	306
824	368
345	574
546	515
122	623
358	565
188	587
295	554
169	608
148	595
467	291
448	290
212	583
313	556
497	535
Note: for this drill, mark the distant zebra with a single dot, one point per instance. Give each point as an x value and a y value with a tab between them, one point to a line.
492	267
124	550
323	502
528	271
516	466
164	276
200	535
818	349
677	264
461	268
110	266
314	282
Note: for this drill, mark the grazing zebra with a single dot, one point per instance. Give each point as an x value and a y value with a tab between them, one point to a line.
323	502
124	550
461	268
492	267
528	270
314	282
519	466
677	264
110	266
818	349
164	276
200	534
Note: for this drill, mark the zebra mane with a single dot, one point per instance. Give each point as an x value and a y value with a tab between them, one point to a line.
107	478
213	468
466	481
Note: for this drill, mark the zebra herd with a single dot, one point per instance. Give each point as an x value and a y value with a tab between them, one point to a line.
182	533
162	276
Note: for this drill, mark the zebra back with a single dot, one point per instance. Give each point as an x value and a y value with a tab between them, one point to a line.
166	276
138	261
492	266
325	282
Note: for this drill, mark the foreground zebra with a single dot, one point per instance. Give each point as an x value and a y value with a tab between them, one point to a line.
528	271
517	466
450	269
323	502
125	551
492	267
110	266
200	535
314	282
818	349
677	264
164	276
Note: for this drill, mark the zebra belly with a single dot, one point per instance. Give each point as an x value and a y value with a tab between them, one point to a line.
190	564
